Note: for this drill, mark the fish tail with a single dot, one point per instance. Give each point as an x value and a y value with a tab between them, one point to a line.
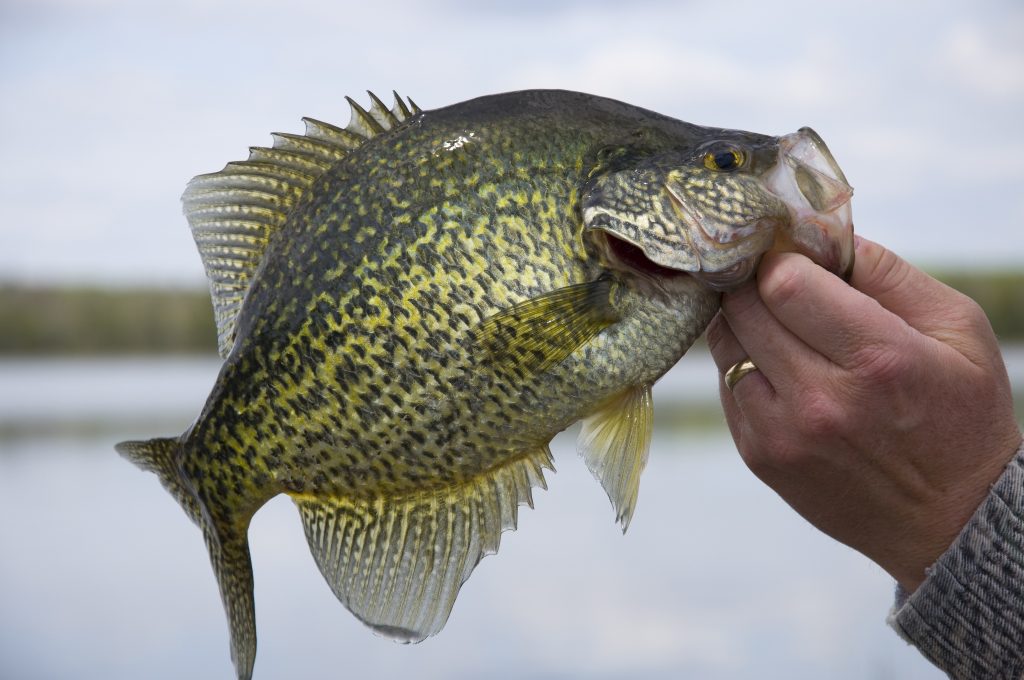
226	540
229	555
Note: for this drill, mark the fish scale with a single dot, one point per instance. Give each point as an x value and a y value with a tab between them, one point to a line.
411	307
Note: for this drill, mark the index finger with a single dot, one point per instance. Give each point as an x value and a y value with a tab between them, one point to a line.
903	289
834	319
929	306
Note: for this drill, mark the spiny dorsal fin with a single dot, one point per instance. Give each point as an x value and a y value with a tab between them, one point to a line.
398	564
233	212
614	443
362	121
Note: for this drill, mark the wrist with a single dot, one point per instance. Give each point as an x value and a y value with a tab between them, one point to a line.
950	519
965	617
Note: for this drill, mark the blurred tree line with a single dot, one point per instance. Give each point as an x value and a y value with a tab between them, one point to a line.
105	321
1000	294
118	321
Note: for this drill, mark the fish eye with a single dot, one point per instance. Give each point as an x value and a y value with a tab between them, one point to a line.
723	160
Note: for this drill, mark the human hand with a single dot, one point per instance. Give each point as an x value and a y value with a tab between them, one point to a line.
881	411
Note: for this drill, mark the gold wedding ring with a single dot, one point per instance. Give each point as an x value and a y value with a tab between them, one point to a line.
737	371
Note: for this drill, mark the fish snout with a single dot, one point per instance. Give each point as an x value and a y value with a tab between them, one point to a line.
814	188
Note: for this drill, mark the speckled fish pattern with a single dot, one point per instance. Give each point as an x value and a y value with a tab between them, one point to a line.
410	308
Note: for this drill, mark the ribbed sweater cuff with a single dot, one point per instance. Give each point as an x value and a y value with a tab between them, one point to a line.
967	617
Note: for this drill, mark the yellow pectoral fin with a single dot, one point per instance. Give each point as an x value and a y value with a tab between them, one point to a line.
614	443
398	564
542	331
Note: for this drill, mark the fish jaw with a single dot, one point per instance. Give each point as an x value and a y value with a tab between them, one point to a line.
811	184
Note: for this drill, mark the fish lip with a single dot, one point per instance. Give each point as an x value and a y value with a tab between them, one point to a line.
804	152
826	154
809	181
847	273
817	239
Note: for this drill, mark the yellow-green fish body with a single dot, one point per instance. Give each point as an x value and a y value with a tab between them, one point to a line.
410	308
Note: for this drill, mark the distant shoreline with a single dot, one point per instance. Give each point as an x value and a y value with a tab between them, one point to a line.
87	321
105	321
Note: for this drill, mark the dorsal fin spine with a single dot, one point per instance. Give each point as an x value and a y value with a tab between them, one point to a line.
304	144
382	113
400	110
332	134
362	123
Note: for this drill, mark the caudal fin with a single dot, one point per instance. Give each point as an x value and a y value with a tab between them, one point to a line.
229	555
226	541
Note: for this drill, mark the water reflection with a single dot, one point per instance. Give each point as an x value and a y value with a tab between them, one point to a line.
102	576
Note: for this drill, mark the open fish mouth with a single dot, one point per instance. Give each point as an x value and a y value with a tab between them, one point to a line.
813	187
631	256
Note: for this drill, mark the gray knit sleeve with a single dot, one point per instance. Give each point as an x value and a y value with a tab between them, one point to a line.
967	617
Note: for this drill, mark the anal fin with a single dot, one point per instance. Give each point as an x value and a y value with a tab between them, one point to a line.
614	443
398	564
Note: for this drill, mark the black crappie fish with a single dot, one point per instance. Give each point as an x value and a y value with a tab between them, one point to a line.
410	308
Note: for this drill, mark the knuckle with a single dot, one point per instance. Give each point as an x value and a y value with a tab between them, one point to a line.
775	451
974	317
821	415
885	267
764	456
782	285
881	366
740	301
966	328
757	462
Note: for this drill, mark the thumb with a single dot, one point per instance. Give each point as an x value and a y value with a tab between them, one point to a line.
927	305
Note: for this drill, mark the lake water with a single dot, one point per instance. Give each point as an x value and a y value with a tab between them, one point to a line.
102	575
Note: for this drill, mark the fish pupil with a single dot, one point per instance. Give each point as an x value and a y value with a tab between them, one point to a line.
725	160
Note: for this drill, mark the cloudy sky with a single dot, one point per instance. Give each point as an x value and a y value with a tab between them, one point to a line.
108	107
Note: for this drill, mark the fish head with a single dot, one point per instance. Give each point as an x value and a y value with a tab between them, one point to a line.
713	207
